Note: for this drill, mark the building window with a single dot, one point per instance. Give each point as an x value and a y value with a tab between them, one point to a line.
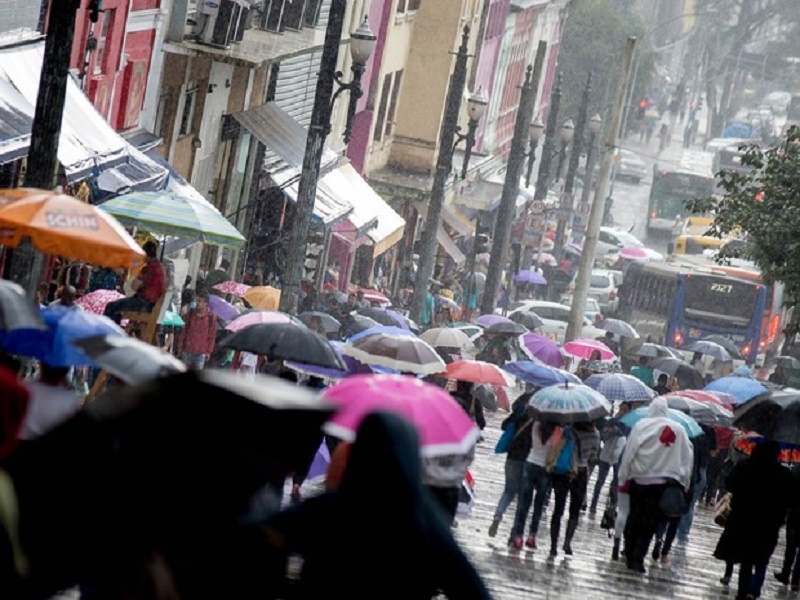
161	111
401	6
293	15
398	80
105	31
187	113
313	10
380	122
412	5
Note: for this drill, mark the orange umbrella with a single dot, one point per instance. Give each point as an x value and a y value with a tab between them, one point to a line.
61	225
477	371
263	297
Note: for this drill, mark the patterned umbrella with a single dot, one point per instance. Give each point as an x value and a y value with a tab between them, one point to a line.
376	296
489	320
723	415
618	387
381	330
541	348
477	371
538	373
584	348
740	387
724	400
569	403
403	352
233	288
691	427
96	301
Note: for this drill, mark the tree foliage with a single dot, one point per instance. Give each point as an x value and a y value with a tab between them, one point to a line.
762	203
594	40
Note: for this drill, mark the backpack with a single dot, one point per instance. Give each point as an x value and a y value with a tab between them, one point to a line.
566	457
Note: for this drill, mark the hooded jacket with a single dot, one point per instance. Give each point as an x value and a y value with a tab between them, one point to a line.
658	447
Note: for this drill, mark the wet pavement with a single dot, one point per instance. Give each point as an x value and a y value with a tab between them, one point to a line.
692	572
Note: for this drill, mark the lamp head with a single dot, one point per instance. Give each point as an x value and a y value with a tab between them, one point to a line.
595	124
476	105
567	131
536	130
362	43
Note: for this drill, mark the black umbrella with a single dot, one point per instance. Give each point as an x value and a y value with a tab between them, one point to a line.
506	329
775	415
379	315
329	324
286	341
526	319
356	323
725	343
651	350
688	377
130	359
16	310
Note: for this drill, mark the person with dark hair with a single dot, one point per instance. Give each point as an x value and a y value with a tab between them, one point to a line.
51	401
149	287
662	387
197	338
471	405
217	276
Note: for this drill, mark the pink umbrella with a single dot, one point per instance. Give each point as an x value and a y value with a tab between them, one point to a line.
708	397
375	296
634	253
541	348
546	259
256	317
96	301
232	287
584	347
443	426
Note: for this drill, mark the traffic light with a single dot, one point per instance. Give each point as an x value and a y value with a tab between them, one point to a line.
95	8
482	240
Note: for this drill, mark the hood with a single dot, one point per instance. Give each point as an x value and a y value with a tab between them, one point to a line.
659	407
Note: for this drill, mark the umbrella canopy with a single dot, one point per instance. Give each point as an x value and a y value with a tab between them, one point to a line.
376	296
379	315
16	310
168	213
129	359
620	328
224	310
585	347
477	371
739	387
405	353
541	348
511	328
787	362
691	427
790	453
489	320
233	288
258	317
618	387
705	413
356	323
56	345
726	343
402	320
263	297
172	319
634	253
443	426
527	319
545	259
775	416
539	374
650	350
381	330
530	276
710	349
445	337
61	225
329	324
688	377
448	302
96	301
569	403
726	401
285	341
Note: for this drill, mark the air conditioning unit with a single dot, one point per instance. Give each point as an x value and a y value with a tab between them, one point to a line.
217	21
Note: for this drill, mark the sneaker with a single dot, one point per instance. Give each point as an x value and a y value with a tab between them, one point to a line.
665	559
515	542
494	526
530	542
782	577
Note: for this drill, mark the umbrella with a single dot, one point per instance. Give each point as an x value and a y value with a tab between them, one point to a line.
478	279
574	249
700	412
448	302
352	366
257	317
445	337
321	462
405	353
569	403
381	330
740	387
96	301
691	427
64	226
775	416
541	348
329	324
477	371
379	315
546	259
376	296
726	401
584	348
621	328
263	297
709	348
285	341
55	345
489	320
787	362
527	319
16	311
725	343
233	288
131	360
514	329
443	426
402	320
530	276
539	374
634	253
172	319
224	310
688	377
790	453
356	323
618	387
167	213
651	350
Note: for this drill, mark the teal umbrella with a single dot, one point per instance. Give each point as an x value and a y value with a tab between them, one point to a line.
172	319
166	213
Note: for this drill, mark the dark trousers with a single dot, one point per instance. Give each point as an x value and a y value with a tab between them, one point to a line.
751	579
667	530
133	303
447	498
643	521
791	558
575	488
603	469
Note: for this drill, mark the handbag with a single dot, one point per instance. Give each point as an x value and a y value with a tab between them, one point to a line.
609	519
722	510
673	502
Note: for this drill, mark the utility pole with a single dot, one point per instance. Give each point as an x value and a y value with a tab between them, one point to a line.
444	165
26	263
581	290
567	204
315	142
508	199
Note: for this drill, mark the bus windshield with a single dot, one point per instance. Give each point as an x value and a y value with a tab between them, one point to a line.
672	189
720	299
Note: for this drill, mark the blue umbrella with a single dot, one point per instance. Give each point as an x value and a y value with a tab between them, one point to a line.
618	387
381	329
354	367
539	373
569	403
55	345
693	430
739	387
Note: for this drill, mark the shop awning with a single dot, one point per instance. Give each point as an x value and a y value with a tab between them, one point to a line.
442	237
460	223
329	208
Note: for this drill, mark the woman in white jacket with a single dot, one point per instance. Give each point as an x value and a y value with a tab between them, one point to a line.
658	453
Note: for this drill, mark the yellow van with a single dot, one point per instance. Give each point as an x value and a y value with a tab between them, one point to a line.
695	244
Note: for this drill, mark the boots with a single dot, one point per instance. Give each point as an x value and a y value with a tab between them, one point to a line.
657	548
555	530
493	527
615	551
572	525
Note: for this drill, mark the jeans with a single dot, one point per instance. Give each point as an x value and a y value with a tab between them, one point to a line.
534	477
602	473
751	579
134	303
643	521
513	471
623	509
193	360
685	525
667	530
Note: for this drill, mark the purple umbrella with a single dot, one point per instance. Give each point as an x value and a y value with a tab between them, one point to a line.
321	461
542	348
489	320
224	310
401	320
530	276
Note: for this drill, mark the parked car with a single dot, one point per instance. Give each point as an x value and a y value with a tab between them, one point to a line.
592	309
628	167
603	286
777	102
555	317
612	239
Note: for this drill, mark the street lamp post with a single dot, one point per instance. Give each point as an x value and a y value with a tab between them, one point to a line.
595	125
566	135
535	133
362	45
476	106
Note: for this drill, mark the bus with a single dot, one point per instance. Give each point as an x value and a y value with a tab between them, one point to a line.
680	175
675	305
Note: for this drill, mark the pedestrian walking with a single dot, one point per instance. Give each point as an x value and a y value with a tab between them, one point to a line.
790	572
197	338
613	436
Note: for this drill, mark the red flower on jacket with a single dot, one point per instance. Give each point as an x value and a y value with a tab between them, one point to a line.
668	436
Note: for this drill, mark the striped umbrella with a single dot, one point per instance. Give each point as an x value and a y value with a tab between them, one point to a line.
618	387
166	213
569	403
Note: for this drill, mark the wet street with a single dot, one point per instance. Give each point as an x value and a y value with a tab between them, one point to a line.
692	572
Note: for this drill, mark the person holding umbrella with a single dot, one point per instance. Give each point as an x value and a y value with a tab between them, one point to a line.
196	340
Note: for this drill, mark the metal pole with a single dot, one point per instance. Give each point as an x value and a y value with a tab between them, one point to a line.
26	263
471	283
576	314
444	165
550	135
508	200
591	160
315	142
531	160
626	111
